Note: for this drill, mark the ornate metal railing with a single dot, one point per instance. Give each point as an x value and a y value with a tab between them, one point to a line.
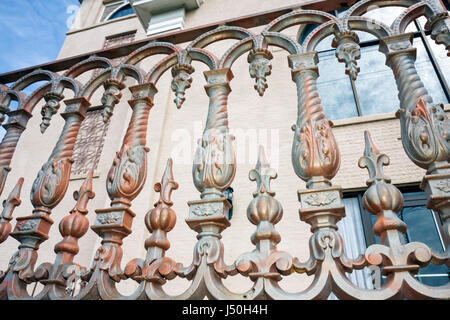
315	156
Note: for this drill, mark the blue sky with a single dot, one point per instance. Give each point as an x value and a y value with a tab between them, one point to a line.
33	31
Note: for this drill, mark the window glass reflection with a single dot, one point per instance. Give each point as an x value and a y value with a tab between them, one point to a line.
443	60
325	44
422	228
335	88
122	12
427	74
385	15
375	78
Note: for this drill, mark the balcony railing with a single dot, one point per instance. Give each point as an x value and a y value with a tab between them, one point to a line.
315	157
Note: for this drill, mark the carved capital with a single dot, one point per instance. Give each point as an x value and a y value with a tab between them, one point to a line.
304	62
397	45
76	106
50	108
218	77
348	51
18	118
4	108
111	97
181	81
260	68
439	25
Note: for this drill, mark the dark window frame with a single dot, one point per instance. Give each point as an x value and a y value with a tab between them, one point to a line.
125	6
413	197
420	33
410	200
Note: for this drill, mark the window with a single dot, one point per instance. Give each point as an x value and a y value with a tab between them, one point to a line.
117	10
362	97
423	225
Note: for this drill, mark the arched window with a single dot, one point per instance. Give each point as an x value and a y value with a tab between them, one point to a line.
122	11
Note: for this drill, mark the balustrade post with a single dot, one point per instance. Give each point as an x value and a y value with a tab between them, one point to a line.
125	181
213	172
17	122
47	191
424	125
316	160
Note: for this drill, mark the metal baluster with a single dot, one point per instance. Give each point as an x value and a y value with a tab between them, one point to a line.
424	125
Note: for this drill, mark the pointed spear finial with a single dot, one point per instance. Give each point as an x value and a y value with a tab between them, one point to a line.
9	205
12	201
370	150
85	194
262	174
373	160
167	185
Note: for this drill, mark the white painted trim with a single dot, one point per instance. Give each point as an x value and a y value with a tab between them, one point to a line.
166	21
146	8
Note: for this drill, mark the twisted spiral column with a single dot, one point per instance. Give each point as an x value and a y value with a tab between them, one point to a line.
137	129
15	126
125	181
127	175
215	161
410	86
316	160
315	154
213	172
424	125
52	181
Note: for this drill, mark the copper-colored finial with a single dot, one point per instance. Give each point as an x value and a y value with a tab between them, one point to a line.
167	185
373	160
85	193
262	174
12	201
8	208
